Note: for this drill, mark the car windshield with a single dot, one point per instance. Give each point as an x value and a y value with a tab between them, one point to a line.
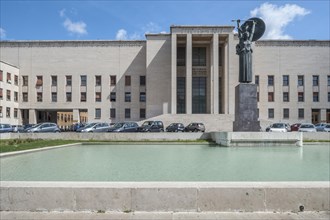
277	125
147	123
306	126
90	125
118	125
37	125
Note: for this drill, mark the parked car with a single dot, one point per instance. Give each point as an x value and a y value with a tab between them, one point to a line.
327	128
5	128
195	127
320	126
307	127
175	127
295	126
124	127
96	127
18	128
151	126
27	126
44	127
278	127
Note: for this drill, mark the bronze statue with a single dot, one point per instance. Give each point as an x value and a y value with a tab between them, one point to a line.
250	31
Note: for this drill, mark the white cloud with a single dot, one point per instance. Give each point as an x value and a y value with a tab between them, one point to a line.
2	33
151	27
75	27
277	18
121	34
78	27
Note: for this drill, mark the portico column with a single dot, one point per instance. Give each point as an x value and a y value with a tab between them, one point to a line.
189	74
32	116
75	114
173	75
215	75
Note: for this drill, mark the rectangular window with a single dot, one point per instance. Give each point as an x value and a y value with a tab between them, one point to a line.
83	80
328	80
286	113
127	97
1	75
181	56
181	95
8	112
39	81
9	78
54	96
97	97
142	97
127	113
1	112
83	97
301	97
256	79
15	96
112	96
257	96
25	80
270	113
199	56
301	113
315	80
270	80
142	113
270	96
127	80
15	112
285	80
25	97
328	96
68	80
301	80
113	80
142	80
39	96
8	95
54	80
16	80
68	97
1	93
97	113
98	80
315	96
285	97
112	113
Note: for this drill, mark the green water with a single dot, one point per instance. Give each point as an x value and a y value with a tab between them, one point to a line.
170	163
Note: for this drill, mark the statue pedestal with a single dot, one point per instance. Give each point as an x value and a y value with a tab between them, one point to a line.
246	108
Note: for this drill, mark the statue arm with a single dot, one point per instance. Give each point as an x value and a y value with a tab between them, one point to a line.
252	31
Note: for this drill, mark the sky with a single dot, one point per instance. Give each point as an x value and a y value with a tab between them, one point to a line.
131	20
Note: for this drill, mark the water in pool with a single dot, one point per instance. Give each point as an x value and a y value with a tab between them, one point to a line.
169	163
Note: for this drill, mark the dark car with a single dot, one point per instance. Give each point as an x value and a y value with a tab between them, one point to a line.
152	126
44	127
124	127
4	128
175	127
195	127
295	126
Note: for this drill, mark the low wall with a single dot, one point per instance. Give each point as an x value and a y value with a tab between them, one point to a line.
230	139
165	196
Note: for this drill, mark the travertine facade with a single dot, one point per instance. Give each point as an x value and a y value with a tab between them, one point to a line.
191	71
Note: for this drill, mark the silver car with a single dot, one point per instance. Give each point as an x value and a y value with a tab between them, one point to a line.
307	127
96	127
327	128
320	126
278	127
44	127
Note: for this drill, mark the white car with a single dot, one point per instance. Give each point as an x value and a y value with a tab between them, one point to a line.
307	127
278	127
327	128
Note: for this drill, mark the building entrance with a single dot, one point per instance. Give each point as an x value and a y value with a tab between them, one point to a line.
315	116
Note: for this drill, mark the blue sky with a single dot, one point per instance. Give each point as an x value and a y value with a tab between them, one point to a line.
130	20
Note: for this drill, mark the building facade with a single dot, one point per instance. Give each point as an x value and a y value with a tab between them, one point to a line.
187	75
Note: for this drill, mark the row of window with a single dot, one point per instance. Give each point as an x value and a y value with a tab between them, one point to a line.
8	112
286	97
286	80
83	80
83	97
9	79
113	113
286	113
8	95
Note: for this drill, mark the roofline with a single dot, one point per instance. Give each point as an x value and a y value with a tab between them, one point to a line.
1	61
202	26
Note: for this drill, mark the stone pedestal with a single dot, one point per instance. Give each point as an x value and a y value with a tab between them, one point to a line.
246	108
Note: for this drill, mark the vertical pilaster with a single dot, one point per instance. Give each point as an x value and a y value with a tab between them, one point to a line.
189	74
32	116
215	75
173	74
75	114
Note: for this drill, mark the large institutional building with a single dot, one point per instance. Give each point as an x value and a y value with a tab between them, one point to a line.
188	75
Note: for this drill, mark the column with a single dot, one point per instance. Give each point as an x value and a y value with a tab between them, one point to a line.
189	74
215	75
173	74
32	116
323	116
75	114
